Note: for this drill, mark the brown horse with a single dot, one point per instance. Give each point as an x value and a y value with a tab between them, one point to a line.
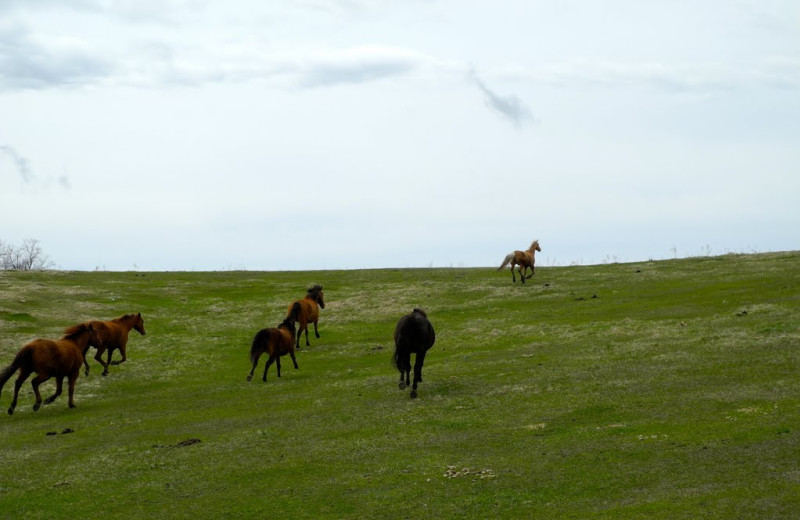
522	259
309	312
114	335
275	342
60	358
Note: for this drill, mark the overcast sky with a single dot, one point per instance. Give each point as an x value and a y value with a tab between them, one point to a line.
327	134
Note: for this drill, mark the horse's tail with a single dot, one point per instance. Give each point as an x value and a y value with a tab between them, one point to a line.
295	311
396	355
24	356
507	259
260	343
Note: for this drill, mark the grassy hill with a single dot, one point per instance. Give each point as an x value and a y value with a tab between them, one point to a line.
665	389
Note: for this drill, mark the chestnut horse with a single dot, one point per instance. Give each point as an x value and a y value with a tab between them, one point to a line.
275	342
114	335
309	312
60	358
413	334
522	259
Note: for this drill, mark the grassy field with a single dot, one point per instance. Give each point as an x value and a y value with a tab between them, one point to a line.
666	389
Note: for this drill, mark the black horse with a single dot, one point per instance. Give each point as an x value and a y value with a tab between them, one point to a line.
413	334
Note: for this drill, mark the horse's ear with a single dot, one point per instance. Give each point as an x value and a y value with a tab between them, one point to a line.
139	315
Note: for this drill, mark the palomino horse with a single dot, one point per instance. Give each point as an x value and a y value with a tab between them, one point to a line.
114	335
60	358
309	312
522	259
275	342
413	334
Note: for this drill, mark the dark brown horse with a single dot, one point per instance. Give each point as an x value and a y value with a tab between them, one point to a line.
413	334
522	259
114	335
309	312
60	358
275	342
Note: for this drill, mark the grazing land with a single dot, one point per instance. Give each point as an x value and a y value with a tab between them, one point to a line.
666	389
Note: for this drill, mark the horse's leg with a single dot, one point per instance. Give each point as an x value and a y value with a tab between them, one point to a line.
513	265
316	333
417	372
250	375
278	364
404	365
86	363
299	333
307	343
108	360
531	275
521	274
121	351
291	353
99	358
17	384
38	380
59	385
266	367
71	388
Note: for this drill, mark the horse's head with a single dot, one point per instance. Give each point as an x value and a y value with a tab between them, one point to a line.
535	246
138	324
316	294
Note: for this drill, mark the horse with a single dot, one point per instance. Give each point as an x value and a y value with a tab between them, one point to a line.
309	312
275	342
413	334
522	259
114	335
51	358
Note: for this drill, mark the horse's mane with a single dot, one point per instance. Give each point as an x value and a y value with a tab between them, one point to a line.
421	311
75	330
314	291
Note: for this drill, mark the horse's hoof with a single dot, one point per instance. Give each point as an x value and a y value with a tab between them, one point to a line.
10	411
72	405
36	407
403	385
249	378
413	394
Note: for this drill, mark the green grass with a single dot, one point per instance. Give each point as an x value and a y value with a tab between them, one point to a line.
665	389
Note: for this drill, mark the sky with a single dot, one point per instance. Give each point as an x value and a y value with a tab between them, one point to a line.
347	134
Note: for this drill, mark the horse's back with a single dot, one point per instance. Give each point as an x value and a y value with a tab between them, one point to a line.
414	331
59	357
309	310
112	334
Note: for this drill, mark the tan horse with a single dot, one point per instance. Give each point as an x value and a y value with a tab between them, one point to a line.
523	260
51	358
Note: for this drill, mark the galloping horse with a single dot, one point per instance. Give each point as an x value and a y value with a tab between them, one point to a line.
60	358
413	334
114	335
276	342
309	312
523	259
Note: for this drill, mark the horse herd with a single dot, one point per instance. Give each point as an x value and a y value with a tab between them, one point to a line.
63	358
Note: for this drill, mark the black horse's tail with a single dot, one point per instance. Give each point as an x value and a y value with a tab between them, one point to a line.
260	343
20	359
397	352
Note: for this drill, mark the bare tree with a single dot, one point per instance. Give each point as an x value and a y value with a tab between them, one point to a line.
29	256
